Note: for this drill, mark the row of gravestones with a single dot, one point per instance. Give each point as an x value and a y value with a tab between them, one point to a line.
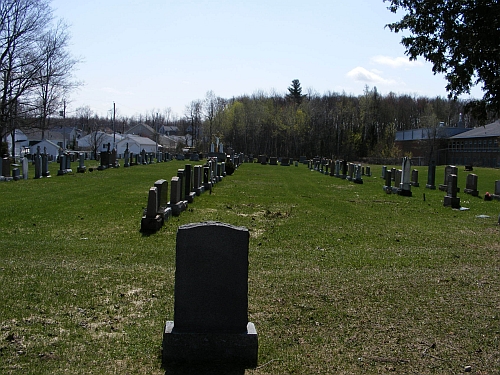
108	159
403	178
274	160
340	169
402	182
189	182
210	332
10	171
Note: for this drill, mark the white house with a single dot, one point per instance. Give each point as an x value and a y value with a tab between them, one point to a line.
135	144
99	139
46	146
21	141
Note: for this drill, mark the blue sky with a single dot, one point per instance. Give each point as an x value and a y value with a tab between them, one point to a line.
149	55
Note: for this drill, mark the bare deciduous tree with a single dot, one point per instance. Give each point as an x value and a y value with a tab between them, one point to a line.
21	24
53	80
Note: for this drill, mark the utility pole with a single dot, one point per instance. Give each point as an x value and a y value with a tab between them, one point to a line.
114	133
156	135
63	115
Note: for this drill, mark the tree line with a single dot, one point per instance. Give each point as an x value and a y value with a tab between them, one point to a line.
293	124
332	124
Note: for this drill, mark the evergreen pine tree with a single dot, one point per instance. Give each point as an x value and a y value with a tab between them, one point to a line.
295	92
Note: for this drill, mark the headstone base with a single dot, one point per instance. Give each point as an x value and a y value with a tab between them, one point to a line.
16	174
415	184
405	193
200	190
451	201
178	207
474	193
61	172
81	169
231	349
165	213
358	180
151	224
432	187
445	188
190	197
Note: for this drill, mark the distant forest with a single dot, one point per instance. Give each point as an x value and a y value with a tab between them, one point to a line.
330	125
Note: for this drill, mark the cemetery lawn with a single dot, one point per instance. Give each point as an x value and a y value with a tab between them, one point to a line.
343	278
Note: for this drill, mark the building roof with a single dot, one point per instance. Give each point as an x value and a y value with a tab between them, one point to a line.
490	130
140	129
427	133
168	128
44	143
138	139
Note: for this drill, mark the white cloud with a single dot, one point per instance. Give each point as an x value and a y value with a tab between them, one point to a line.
363	75
395	62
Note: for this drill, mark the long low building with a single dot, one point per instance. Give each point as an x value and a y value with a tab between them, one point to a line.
135	144
478	146
452	145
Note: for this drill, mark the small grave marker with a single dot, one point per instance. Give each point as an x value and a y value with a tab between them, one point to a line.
471	185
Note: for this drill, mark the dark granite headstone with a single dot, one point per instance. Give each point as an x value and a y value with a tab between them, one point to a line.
175	190
451	198
414	178
151	220
431	176
211	278
211	298
388	181
176	203
45	165
182	181
471	185
206	178
162	208
344	169
198	179
189	194
448	170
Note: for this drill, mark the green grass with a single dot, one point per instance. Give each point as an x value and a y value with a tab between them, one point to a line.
344	279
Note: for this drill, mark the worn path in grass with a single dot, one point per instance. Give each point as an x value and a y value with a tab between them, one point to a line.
343	277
